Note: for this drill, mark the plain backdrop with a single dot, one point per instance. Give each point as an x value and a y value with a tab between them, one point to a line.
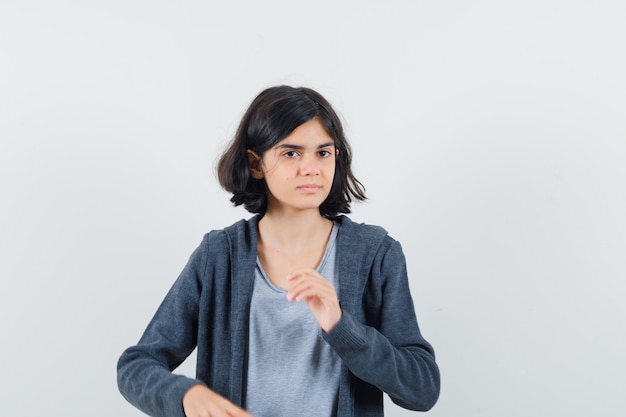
490	136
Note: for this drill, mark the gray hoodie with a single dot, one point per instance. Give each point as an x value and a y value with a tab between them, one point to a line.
377	338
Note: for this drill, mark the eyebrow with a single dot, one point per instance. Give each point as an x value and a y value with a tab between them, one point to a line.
299	147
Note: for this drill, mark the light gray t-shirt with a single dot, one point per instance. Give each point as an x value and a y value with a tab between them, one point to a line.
292	371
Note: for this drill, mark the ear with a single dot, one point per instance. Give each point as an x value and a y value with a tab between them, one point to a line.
254	162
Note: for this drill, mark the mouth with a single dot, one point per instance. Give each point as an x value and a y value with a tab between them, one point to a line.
309	188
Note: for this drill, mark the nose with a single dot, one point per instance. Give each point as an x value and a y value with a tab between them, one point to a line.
309	165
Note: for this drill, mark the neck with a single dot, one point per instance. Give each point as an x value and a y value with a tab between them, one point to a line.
295	230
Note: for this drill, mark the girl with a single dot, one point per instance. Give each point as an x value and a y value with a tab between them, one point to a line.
297	311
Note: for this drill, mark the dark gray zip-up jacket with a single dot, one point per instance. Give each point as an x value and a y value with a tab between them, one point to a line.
377	338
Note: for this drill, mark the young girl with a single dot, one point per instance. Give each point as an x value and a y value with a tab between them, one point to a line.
297	311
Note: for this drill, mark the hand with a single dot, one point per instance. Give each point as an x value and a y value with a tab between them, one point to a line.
308	285
199	401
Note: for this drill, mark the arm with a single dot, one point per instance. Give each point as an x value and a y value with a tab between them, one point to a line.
393	355
145	375
144	371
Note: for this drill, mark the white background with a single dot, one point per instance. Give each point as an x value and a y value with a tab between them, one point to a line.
490	136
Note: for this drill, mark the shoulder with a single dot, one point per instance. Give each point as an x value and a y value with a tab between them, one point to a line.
362	230
239	235
364	237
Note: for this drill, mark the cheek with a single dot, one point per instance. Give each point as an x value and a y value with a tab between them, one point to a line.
331	170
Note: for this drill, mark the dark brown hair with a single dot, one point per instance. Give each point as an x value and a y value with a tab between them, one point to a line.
272	116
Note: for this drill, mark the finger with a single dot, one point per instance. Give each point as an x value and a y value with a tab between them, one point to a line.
306	276
235	411
226	408
309	294
297	290
308	290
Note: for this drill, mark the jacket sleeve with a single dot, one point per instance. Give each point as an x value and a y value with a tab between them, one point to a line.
390	354
144	371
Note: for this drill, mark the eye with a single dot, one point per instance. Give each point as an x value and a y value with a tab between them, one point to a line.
290	154
324	153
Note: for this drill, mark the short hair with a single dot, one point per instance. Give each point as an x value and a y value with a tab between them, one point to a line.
272	116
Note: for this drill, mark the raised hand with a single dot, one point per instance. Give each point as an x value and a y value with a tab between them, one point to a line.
306	284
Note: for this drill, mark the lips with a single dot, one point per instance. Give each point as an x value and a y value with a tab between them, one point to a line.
309	188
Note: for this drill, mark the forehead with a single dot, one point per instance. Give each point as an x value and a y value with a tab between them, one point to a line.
308	134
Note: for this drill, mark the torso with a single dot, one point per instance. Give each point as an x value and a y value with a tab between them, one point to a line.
289	365
279	262
278	265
